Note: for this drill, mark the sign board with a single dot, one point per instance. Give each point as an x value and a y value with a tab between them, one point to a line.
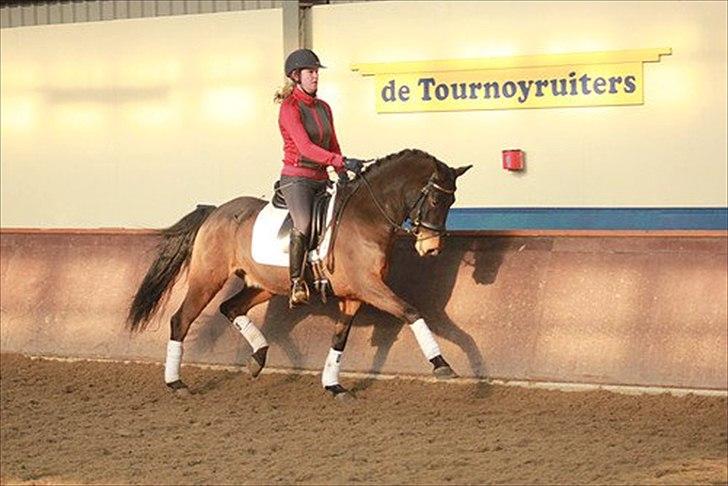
559	80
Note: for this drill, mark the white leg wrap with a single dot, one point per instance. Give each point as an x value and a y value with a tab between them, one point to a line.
330	375
251	333
174	358
425	339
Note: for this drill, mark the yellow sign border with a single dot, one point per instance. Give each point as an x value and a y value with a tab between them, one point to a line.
603	57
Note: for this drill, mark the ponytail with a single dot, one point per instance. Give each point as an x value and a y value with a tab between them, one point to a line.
284	91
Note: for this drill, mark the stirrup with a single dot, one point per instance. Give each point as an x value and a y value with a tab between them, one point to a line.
299	293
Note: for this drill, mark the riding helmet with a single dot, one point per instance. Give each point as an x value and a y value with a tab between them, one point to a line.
300	59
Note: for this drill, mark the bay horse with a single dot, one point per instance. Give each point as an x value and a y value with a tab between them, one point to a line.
213	243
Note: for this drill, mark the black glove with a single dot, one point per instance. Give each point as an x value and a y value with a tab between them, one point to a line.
354	165
343	178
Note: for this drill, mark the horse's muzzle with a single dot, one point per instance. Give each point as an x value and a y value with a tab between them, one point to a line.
429	243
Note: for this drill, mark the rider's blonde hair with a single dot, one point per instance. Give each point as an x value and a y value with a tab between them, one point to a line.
284	91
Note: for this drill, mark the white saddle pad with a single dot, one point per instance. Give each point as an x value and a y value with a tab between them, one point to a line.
271	248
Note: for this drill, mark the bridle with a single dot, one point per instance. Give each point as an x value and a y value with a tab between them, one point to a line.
417	208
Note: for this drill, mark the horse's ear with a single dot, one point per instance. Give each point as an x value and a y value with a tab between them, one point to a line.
461	170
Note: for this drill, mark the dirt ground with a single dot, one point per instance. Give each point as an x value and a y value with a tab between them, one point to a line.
88	422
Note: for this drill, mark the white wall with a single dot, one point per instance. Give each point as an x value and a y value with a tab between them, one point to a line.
131	123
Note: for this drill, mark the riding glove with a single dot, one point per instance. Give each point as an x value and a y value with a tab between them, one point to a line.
343	178
354	165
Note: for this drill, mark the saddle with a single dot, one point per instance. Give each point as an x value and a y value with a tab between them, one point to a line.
272	229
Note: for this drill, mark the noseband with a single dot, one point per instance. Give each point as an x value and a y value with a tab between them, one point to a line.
417	208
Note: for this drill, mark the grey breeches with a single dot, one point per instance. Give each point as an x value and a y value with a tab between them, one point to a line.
299	194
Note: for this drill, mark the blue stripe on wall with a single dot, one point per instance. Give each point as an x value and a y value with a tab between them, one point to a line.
483	219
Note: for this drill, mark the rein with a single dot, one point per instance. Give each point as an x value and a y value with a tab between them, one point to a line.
384	213
416	206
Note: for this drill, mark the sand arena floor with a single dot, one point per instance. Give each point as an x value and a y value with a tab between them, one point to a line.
87	422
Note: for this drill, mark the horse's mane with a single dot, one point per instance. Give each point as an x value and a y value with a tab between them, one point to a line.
383	163
386	161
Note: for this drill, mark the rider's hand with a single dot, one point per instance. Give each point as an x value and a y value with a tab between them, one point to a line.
343	177
354	165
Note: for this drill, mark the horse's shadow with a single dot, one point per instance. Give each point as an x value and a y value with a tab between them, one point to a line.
426	283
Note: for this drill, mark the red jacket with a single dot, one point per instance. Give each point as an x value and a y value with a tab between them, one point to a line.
309	139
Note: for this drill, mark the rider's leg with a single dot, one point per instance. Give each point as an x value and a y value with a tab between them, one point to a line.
330	375
299	195
296	267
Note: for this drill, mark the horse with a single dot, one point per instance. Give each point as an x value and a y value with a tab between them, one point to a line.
214	243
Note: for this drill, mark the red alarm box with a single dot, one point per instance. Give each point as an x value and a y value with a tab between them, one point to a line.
513	159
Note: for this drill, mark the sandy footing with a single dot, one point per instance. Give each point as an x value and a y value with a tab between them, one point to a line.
88	422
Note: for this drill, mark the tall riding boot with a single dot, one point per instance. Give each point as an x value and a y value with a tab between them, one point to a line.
297	265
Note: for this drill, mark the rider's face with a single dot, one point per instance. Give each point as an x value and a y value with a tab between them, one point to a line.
309	80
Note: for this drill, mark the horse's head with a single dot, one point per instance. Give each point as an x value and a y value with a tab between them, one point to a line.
414	185
429	213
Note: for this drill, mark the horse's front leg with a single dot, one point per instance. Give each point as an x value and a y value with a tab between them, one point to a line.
330	374
382	297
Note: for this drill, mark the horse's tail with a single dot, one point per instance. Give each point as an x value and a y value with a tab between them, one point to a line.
173	253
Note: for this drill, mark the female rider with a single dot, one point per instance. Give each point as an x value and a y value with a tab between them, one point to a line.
309	146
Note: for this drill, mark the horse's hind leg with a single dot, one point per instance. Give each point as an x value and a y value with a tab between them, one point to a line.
330	374
199	293
382	297
236	309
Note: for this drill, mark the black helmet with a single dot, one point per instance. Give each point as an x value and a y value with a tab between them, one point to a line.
300	59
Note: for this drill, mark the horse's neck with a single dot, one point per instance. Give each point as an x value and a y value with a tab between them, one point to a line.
395	186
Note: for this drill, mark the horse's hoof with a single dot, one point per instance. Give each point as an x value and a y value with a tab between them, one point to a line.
183	392
344	397
256	362
340	393
254	367
179	389
444	373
